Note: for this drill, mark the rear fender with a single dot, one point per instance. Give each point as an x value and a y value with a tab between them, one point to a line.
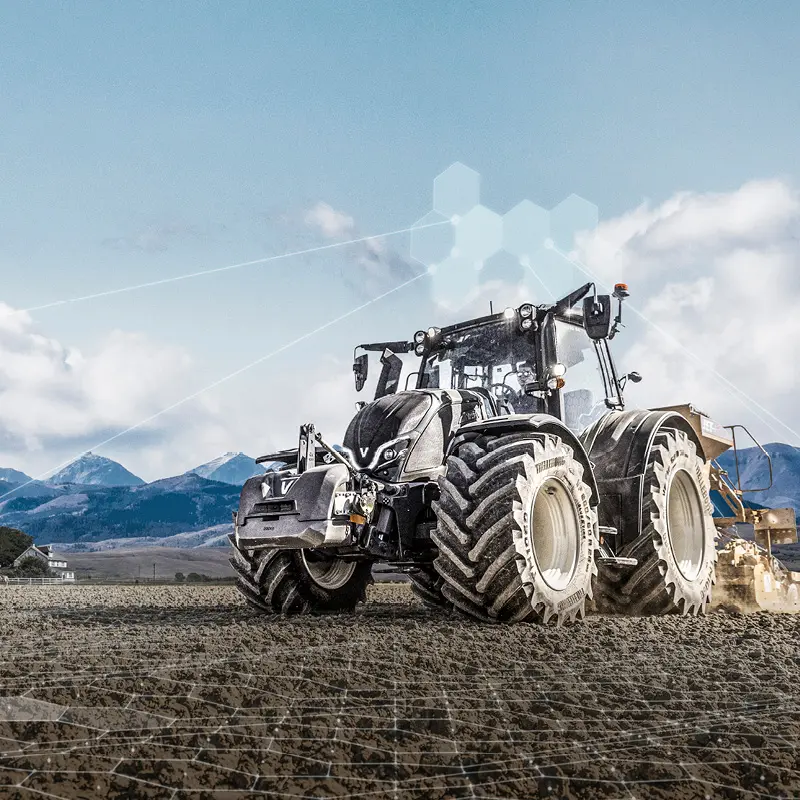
619	445
533	423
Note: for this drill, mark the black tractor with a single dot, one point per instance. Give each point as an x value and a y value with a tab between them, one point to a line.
503	475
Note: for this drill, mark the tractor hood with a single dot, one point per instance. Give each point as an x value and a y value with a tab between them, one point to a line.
383	422
404	436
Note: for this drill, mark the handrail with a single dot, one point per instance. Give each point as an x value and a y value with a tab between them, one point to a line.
755	441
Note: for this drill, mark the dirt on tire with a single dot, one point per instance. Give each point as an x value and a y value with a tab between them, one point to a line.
184	691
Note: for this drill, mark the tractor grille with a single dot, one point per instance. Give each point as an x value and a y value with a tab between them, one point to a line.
275	507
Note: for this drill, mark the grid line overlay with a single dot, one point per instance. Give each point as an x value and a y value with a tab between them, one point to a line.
183	692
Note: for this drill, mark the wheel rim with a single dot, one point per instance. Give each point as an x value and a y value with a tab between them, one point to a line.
686	525
555	533
328	572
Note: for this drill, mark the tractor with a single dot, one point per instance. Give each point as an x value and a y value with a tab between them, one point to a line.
504	476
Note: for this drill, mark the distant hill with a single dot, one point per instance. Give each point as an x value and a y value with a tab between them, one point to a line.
137	563
215	536
91	513
94	470
754	472
233	468
13	476
27	489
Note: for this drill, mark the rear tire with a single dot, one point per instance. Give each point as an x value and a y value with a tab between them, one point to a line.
677	547
515	530
292	582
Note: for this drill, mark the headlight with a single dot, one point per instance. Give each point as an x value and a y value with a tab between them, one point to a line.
419	337
419	349
526	324
526	310
509	313
433	332
389	453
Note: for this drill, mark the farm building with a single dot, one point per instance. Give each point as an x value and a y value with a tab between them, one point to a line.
56	564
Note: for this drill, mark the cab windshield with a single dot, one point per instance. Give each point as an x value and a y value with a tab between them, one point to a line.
584	393
492	357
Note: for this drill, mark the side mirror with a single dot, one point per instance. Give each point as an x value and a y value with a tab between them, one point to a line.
597	316
360	368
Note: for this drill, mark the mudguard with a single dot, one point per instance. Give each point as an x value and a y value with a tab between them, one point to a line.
619	445
293	511
539	423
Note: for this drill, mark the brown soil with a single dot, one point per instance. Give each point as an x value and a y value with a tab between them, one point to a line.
183	692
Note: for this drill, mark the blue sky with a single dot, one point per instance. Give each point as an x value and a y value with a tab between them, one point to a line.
145	140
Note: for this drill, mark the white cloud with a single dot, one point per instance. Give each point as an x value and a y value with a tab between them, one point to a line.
717	278
369	267
332	224
56	401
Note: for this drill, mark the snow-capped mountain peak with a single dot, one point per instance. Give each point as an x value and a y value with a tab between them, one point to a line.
234	468
14	476
94	470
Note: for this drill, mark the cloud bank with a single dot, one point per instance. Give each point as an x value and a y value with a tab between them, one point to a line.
716	281
55	399
713	319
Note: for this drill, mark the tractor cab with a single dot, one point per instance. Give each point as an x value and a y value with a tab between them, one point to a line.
549	359
521	361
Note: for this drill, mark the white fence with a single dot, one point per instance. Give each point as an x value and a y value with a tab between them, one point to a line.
35	581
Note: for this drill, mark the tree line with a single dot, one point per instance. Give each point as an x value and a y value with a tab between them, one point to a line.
13	543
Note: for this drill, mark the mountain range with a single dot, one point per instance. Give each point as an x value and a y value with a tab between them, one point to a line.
90	513
754	474
91	469
95	503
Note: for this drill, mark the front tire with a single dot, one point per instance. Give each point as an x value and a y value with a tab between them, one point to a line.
292	582
515	530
